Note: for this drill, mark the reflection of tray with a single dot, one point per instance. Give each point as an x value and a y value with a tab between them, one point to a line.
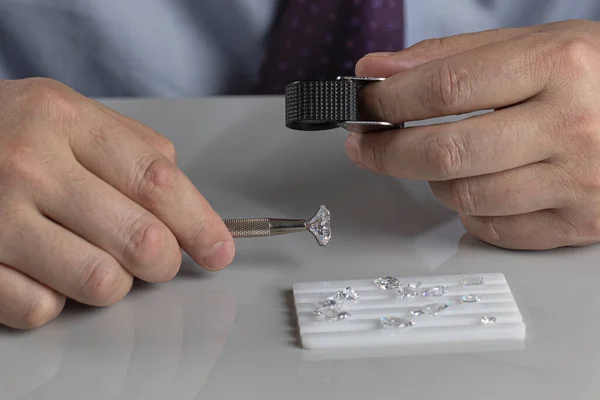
460	322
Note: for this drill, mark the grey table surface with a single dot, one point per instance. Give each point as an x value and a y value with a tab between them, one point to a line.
231	335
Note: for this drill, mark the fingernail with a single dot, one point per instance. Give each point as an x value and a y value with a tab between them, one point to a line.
381	54
220	256
353	149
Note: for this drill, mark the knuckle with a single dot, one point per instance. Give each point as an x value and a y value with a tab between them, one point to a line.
145	241
40	311
445	155
48	96
167	148
19	164
584	124
448	89
104	134
148	246
577	51
100	282
11	221
157	178
463	196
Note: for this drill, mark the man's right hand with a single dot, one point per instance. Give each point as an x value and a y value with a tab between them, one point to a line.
90	199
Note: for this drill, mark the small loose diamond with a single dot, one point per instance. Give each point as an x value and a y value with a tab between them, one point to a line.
348	294
320	226
331	314
387	283
435	291
406	293
414	285
430	310
329	303
472	281
331	307
487	320
394	322
338	317
327	306
471	298
342	296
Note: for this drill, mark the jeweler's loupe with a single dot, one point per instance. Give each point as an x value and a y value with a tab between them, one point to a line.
323	105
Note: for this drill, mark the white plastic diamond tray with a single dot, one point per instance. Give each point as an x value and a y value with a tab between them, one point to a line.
411	311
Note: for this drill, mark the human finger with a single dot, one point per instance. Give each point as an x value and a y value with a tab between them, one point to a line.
522	190
25	303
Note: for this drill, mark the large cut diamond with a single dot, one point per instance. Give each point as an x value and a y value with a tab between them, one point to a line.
320	225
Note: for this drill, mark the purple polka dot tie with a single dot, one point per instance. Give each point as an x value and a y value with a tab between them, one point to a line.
323	39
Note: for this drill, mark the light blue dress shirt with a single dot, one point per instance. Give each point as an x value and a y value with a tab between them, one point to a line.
188	48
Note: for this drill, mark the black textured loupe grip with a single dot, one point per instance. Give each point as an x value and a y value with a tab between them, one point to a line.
319	105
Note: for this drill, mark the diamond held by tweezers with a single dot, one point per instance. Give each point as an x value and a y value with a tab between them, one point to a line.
394	323
387	283
435	291
320	225
472	281
471	298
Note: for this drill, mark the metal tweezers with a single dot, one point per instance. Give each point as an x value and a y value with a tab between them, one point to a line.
318	225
